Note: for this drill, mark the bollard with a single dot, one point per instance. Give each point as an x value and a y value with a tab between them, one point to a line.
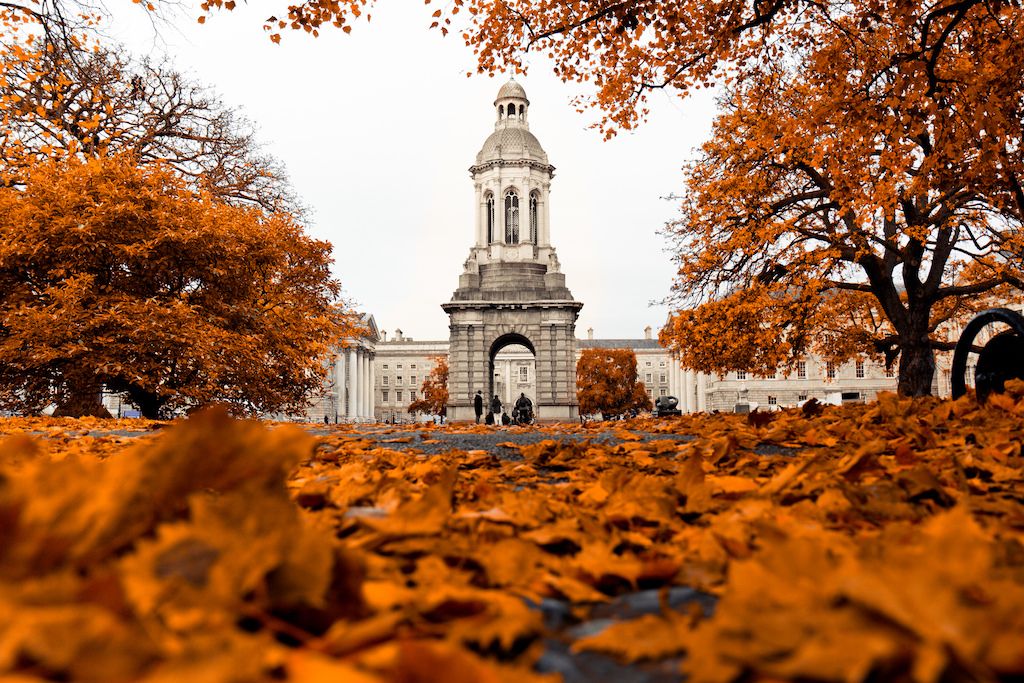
1002	358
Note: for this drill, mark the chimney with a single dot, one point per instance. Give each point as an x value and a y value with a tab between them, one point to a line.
647	332
398	334
590	333
384	335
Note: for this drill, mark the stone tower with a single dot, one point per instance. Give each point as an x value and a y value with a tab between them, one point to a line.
511	290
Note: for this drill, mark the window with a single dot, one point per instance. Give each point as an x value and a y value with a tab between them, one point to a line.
501	111
385	366
412	367
398	380
802	397
661	364
662	378
830	371
412	380
384	394
398	395
648	364
650	392
741	374
524	374
647	378
770	375
534	223
399	366
385	380
489	204
663	392
773	401
412	395
801	370
511	217
860	369
522	110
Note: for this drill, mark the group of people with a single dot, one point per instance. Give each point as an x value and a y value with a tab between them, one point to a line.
522	412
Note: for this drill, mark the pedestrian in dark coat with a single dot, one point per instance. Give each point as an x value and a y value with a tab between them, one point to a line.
478	405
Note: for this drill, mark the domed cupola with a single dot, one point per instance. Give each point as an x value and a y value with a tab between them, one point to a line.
511	138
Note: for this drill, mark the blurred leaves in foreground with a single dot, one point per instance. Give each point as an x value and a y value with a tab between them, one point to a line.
879	541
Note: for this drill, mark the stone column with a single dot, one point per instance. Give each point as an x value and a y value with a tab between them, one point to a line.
373	387
365	382
689	385
545	225
481	217
350	369
339	383
371	394
362	385
357	389
702	396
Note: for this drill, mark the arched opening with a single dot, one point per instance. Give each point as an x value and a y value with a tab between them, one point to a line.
522	110
512	371
534	212
489	202
501	111
511	217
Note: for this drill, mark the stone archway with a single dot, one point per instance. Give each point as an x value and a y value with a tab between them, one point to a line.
512	369
480	329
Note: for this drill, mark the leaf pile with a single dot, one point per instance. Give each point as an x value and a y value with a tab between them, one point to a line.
868	541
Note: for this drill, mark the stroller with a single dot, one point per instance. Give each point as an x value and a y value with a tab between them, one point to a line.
522	415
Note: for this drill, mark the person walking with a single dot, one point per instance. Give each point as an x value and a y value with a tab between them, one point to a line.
496	408
478	405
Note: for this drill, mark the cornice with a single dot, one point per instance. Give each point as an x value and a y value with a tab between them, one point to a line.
496	163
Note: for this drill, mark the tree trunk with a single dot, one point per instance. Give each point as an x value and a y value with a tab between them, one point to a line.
917	368
82	398
149	403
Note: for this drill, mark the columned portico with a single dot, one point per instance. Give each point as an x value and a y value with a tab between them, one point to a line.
355	374
512	290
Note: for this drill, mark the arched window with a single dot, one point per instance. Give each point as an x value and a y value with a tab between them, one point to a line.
511	217
501	111
489	201
522	110
534	223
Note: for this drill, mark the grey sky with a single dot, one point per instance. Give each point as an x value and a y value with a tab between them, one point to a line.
378	128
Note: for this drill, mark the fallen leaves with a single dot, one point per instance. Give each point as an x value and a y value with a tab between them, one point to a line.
868	541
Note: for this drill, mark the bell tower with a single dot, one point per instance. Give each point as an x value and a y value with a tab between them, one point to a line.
512	290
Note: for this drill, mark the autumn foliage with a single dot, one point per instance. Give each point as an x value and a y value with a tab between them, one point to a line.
434	398
606	383
874	541
117	276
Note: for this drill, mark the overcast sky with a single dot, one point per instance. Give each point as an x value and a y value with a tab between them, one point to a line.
378	128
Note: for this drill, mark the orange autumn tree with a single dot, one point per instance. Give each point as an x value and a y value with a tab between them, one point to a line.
117	276
434	399
859	214
607	383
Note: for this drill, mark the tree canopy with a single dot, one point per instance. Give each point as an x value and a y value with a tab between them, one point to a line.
607	383
119	275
